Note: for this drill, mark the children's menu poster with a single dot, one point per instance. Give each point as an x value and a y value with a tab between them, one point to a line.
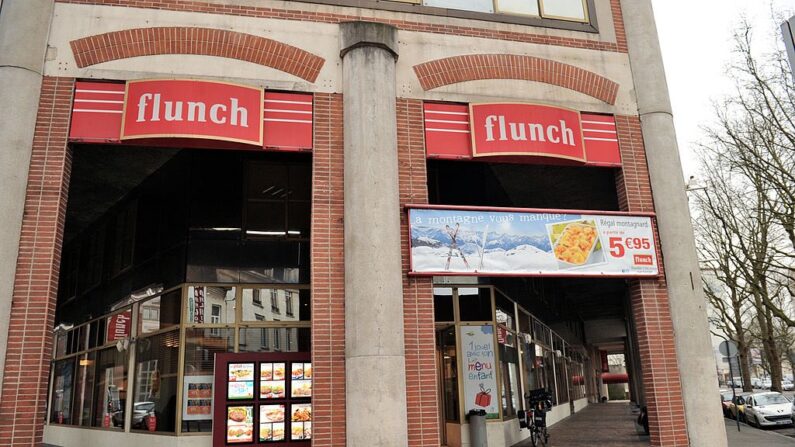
479	369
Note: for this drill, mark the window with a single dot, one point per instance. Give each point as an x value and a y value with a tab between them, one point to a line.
288	303
255	298
569	10
215	314
278	200
124	239
157	358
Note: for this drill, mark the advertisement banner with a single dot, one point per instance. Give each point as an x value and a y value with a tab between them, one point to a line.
479	369
472	241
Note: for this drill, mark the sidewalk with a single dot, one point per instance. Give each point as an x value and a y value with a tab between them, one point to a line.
749	436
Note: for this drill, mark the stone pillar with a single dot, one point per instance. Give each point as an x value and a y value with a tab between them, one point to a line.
374	341
687	304
24	28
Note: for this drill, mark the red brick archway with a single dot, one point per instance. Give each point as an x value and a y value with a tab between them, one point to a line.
473	67
202	41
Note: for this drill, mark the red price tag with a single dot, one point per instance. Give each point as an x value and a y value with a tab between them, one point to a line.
619	245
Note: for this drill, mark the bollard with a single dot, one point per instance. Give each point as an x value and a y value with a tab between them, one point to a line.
477	428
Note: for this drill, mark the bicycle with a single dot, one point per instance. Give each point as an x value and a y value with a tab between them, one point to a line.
535	419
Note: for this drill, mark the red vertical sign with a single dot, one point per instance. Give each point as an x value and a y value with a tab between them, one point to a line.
119	326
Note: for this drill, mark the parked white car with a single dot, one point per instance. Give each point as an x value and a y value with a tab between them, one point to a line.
768	409
787	385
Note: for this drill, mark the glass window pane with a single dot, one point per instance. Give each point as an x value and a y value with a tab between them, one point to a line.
449	373
265	219
474	304
443	304
301	182
465	5
159	313
60	345
210	305
63	381
298	219
110	388
275	305
275	340
201	345
86	368
564	9
524	7
157	358
266	181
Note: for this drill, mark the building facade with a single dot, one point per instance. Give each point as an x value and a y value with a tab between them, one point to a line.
442	205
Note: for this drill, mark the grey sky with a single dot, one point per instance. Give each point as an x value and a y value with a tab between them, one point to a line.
695	36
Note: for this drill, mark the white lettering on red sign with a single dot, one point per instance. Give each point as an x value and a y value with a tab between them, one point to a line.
528	131
193	111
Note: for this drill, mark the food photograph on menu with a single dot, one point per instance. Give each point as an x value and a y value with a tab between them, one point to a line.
271	422
272	383
301	421
241	372
241	390
273	389
239	424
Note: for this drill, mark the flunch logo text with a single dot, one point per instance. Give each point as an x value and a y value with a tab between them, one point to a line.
192	109
525	129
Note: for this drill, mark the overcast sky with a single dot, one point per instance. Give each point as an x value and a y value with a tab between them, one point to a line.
695	36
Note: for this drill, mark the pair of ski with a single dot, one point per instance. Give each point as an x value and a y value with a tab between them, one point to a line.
453	233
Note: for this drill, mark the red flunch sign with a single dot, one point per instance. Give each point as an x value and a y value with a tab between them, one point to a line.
194	109
526	129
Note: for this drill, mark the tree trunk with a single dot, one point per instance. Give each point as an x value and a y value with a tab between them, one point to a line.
743	353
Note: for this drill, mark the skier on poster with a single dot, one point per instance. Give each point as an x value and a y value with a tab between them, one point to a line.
454	246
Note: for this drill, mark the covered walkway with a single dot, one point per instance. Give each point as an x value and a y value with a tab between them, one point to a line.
610	424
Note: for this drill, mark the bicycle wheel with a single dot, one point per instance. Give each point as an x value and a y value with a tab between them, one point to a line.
546	436
534	436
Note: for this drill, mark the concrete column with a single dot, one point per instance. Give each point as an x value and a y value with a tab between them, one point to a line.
374	349
688	307
24	28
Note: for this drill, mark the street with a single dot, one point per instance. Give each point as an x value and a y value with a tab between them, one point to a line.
787	430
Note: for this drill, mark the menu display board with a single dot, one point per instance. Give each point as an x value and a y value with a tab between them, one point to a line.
279	414
239	424
241	381
480	370
301	374
301	421
272	383
198	396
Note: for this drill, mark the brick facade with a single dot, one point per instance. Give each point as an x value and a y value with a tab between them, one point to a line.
473	67
649	301
418	317
408	25
204	41
328	274
27	368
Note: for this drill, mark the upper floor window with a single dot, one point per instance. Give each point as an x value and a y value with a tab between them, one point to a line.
570	10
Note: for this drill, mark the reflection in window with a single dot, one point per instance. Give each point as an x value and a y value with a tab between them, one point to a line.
157	358
159	313
219	300
110	388
275	340
570	10
283	305
60	407
201	345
